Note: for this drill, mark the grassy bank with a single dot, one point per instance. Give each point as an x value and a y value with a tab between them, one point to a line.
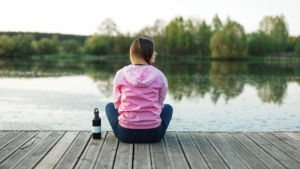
188	59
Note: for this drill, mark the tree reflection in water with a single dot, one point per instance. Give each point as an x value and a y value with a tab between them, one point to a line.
227	78
189	80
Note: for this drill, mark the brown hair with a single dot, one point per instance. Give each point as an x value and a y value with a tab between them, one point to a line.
141	48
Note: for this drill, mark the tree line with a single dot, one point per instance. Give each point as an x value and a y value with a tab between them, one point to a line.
180	37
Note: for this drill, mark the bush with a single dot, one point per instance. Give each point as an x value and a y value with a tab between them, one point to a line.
6	46
70	46
297	47
47	46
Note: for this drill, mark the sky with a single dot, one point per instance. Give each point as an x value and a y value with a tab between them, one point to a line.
83	17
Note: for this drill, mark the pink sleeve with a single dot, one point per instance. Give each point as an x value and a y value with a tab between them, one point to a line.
163	90
116	91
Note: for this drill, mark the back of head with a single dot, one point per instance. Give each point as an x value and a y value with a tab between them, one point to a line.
141	51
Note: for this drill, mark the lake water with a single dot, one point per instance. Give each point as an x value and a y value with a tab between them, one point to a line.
206	96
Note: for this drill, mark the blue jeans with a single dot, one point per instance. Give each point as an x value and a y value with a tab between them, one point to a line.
138	135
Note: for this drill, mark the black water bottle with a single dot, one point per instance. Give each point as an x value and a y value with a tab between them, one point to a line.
96	125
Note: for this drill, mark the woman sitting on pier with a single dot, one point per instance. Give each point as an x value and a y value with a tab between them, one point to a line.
138	113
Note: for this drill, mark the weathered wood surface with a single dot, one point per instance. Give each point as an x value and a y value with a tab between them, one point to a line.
77	149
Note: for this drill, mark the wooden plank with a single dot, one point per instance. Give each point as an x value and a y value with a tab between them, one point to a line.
266	158
289	150
224	151
176	155
52	158
124	156
190	150
273	150
73	154
11	148
9	138
209	154
21	153
289	140
4	133
89	156
40	151
159	155
248	158
141	157
293	135
108	151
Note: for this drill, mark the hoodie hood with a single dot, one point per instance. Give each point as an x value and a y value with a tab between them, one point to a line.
140	76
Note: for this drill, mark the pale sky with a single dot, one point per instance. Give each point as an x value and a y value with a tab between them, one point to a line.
84	16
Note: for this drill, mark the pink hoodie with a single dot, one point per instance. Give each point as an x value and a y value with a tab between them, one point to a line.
139	92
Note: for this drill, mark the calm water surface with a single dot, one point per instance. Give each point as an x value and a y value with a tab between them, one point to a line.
206	96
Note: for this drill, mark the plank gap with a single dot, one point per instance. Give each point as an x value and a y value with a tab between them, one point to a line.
116	151
257	151
64	153
186	159
276	153
96	157
82	150
227	165
194	142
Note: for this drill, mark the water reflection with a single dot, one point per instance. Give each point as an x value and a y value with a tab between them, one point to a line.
274	91
189	80
227	78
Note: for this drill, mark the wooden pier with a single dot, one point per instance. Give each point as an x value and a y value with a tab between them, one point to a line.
77	149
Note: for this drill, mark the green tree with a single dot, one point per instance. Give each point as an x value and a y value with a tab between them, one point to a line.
22	44
230	42
276	27
217	23
70	46
191	27
98	45
259	44
6	46
178	39
202	39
